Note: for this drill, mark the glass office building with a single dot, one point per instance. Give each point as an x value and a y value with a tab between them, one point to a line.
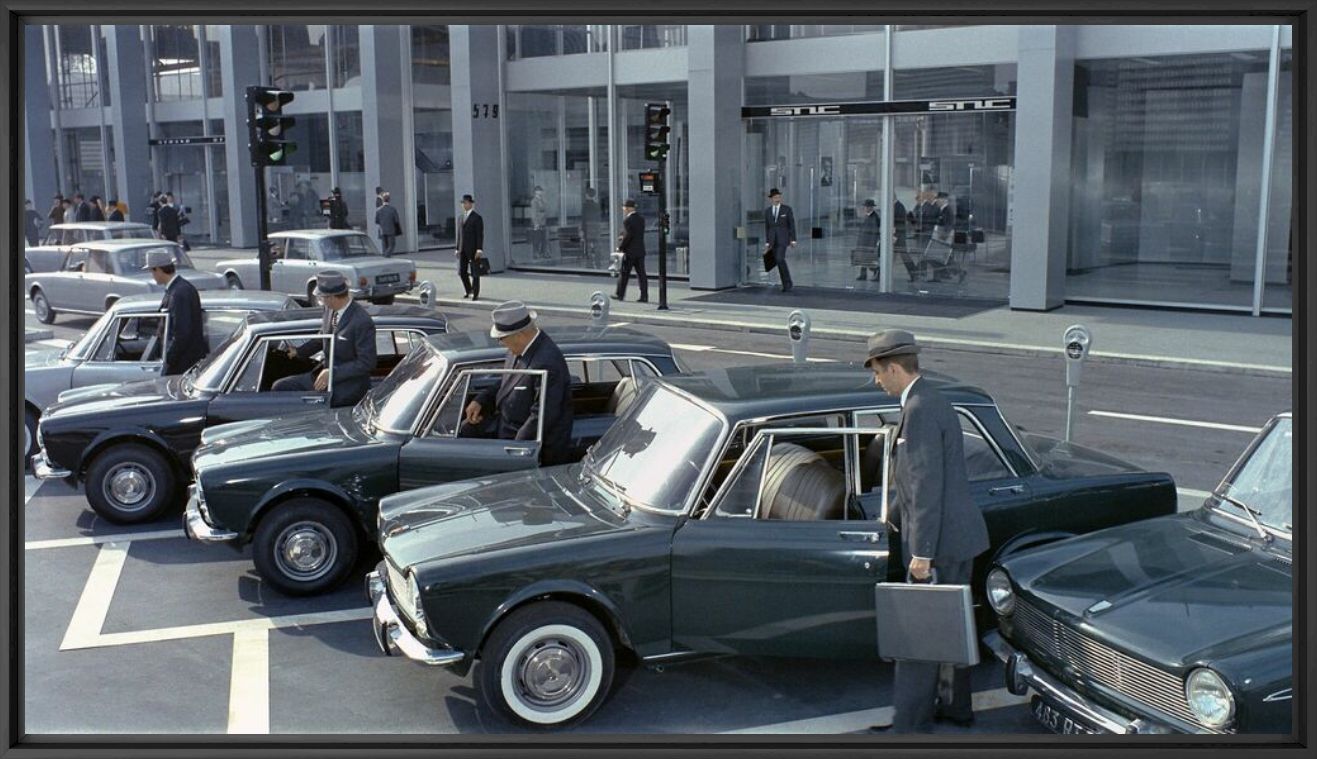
1035	165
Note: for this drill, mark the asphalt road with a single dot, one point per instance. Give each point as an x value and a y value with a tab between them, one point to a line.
137	630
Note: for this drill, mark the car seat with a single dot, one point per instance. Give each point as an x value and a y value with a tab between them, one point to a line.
623	395
801	485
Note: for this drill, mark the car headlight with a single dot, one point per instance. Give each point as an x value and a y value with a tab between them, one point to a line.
1209	698
418	613
1001	596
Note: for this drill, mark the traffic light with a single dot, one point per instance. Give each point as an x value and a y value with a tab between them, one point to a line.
656	131
267	127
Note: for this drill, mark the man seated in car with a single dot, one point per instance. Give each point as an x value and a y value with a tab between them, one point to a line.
353	352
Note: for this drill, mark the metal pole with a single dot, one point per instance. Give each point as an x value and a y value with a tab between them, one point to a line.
51	35
262	244
1268	156
1069	412
107	166
663	235
331	44
887	206
613	200
203	58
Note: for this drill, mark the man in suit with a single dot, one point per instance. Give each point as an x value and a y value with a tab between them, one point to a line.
31	224
941	529
900	230
632	245
185	341
780	232
390	224
115	214
539	220
56	212
338	211
470	246
866	246
354	345
169	221
515	402
81	208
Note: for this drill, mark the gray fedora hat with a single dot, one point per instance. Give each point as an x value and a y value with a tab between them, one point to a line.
156	258
510	318
330	282
890	342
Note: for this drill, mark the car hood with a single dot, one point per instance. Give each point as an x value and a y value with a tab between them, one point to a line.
126	396
304	432
45	358
1217	590
503	512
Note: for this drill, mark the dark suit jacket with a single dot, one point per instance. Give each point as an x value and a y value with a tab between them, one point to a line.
186	343
338	213
116	215
934	512
781	233
390	223
633	235
471	237
354	353
168	222
870	231
82	211
516	403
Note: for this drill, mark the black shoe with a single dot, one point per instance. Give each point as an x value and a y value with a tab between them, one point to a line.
617	297
958	721
466	295
475	298
643	300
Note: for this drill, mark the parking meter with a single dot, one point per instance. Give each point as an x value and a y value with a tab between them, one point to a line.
426	293
1078	342
798	335
599	309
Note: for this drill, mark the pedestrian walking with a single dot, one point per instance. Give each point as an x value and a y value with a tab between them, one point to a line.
632	246
865	253
57	208
169	220
338	210
81	208
153	212
31	224
389	223
185	341
940	528
780	233
900	233
354	356
470	247
539	218
114	211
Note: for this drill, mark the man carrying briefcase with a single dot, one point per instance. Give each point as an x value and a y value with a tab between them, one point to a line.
940	527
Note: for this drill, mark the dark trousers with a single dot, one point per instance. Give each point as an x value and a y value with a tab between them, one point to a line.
539	242
297	383
387	242
911	268
783	271
469	274
921	687
629	262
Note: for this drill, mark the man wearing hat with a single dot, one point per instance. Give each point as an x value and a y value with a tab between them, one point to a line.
632	245
514	404
338	211
941	529
470	246
780	232
185	342
866	247
354	345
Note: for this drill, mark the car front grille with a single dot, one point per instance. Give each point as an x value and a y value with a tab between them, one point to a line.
397	582
1097	663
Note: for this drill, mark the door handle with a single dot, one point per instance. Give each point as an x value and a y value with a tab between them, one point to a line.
862	537
1006	490
313	399
148	368
513	450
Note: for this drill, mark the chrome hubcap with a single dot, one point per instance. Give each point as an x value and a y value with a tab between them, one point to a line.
129	485
553	672
39	305
306	550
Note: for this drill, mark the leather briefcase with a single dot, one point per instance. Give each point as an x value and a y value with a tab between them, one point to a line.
926	622
770	260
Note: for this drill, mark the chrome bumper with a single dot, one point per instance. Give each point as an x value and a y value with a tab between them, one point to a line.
393	637
196	526
1022	675
42	469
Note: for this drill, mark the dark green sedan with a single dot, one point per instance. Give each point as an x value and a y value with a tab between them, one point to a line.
740	511
303	489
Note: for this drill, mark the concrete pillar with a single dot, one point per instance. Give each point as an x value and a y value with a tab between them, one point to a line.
239	69
716	56
382	105
1041	208
42	172
128	96
478	165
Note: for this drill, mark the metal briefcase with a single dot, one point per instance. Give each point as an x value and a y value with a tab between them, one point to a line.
926	622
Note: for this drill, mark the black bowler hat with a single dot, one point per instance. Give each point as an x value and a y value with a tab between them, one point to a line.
869	203
331	282
468	199
628	203
943	195
337	191
774	192
890	342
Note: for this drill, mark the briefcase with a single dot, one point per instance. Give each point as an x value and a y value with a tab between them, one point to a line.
926	622
770	260
482	266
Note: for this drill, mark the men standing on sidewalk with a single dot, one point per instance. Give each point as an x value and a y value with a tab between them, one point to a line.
338	210
780	232
389	223
632	246
470	246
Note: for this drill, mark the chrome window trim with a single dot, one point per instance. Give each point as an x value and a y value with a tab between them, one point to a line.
107	333
751	450
992	442
1019	442
543	374
250	349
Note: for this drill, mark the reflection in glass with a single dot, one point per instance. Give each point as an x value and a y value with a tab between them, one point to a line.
1265	481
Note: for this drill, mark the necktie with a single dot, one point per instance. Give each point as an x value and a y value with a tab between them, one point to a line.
774	213
333	322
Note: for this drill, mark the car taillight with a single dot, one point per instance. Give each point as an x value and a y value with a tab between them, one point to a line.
412	277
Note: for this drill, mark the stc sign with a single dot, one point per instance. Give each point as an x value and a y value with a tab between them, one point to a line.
880	108
991	104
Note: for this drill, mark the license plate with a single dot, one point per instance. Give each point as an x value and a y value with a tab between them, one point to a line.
387	279
1054	718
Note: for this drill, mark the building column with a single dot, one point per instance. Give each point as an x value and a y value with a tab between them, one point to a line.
1041	204
42	171
716	56
239	69
478	165
382	104
128	96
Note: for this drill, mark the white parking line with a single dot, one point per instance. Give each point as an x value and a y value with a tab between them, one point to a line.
1181	422
222	628
249	683
89	615
714	349
30	487
91	540
850	722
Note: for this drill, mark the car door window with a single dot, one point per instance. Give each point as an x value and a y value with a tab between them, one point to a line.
98	262
450	421
295	250
217	326
981	459
76	260
741	496
136	339
267	363
391	347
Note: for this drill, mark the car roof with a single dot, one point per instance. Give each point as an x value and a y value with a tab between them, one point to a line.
393	315
131	242
210	299
101	225
779	389
316	234
478	345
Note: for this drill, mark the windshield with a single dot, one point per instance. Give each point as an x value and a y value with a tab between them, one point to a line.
132	259
655	452
209	373
347	246
1265	480
394	403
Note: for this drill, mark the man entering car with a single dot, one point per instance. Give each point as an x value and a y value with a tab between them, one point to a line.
353	351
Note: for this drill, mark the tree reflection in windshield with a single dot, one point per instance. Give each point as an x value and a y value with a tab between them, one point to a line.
1265	482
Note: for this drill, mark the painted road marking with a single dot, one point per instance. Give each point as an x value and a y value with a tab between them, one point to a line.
101	640
1181	422
850	722
89	615
30	487
249	683
714	349
92	540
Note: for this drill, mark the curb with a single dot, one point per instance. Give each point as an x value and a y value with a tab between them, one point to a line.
946	343
33	335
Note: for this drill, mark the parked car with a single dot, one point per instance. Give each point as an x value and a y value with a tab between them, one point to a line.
124	345
1182	624
96	274
131	444
61	238
304	491
297	255
739	511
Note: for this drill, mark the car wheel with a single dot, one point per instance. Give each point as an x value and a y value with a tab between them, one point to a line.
29	435
305	546
232	282
386	300
547	665
45	314
130	483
